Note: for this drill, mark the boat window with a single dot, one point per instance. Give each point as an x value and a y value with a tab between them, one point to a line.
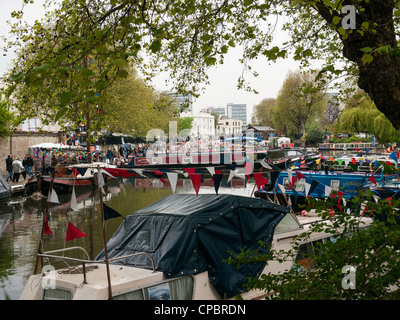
132	295
292	153
300	185
288	223
57	294
177	289
307	251
335	185
286	183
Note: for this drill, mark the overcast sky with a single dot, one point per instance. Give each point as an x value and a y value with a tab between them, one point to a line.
223	79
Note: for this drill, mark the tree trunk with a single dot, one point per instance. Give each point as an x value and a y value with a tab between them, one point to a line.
381	77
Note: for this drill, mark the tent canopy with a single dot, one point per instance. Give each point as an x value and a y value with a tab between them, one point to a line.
188	234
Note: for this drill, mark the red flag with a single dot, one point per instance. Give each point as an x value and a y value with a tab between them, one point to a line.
300	175
196	181
73	232
76	172
47	228
248	168
120	172
372	179
190	170
258	179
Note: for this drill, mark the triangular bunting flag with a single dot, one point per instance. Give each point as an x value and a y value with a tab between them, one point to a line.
328	191
249	169
289	173
47	228
258	179
100	179
274	176
74	204
307	187
82	171
300	175
196	181
52	197
232	174
110	213
372	179
393	156
139	172
190	170
265	165
314	184
217	181
211	170
173	178
73	232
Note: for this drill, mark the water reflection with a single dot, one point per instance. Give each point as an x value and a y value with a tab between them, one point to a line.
21	222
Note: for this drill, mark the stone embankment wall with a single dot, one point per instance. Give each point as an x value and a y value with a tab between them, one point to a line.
18	144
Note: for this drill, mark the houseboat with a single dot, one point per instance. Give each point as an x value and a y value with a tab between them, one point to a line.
176	249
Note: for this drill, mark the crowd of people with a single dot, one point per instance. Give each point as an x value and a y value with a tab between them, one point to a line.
17	167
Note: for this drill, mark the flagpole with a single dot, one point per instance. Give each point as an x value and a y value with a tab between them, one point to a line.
45	216
104	239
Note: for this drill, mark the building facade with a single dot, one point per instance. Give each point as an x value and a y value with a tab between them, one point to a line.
229	127
237	111
203	124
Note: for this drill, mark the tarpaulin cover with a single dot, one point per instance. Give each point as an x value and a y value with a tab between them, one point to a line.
188	234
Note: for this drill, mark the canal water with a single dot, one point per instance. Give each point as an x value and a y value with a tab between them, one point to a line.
22	217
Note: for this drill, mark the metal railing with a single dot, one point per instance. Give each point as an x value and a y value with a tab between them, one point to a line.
48	254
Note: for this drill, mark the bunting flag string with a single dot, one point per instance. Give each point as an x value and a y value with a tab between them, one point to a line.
196	181
173	178
52	197
217	181
110	213
73	233
47	229
74	204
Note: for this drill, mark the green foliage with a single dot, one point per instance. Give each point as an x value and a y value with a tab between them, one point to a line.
52	77
372	248
184	123
299	100
6	118
132	107
314	136
361	115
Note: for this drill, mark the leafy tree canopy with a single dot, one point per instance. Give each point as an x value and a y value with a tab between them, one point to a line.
186	38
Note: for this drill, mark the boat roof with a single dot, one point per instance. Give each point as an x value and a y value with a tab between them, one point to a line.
189	234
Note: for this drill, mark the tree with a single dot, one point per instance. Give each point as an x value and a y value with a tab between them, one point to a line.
361	115
331	114
348	242
201	33
184	123
314	136
299	100
261	112
131	107
6	118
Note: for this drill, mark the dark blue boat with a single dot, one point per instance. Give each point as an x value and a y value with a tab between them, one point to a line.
321	184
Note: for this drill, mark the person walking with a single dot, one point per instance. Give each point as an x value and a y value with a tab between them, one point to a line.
25	171
29	165
18	168
9	167
110	156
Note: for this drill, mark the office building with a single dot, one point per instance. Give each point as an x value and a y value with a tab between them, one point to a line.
237	111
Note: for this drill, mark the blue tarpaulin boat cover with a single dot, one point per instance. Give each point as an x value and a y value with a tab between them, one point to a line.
188	234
